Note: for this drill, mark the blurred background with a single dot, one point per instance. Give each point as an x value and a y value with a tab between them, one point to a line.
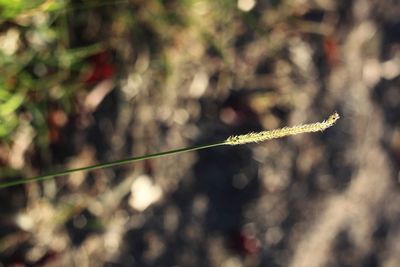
84	82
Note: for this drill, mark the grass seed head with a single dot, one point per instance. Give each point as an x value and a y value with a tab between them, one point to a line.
278	133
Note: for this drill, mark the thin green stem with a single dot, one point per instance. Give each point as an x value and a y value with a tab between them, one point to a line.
108	164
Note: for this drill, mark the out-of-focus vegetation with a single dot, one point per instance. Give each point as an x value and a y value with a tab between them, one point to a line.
14	8
39	68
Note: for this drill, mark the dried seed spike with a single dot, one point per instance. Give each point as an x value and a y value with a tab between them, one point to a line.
278	133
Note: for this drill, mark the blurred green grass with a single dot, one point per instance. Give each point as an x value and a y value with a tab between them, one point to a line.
37	64
12	8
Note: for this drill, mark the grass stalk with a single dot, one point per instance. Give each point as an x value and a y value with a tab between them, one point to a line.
232	140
